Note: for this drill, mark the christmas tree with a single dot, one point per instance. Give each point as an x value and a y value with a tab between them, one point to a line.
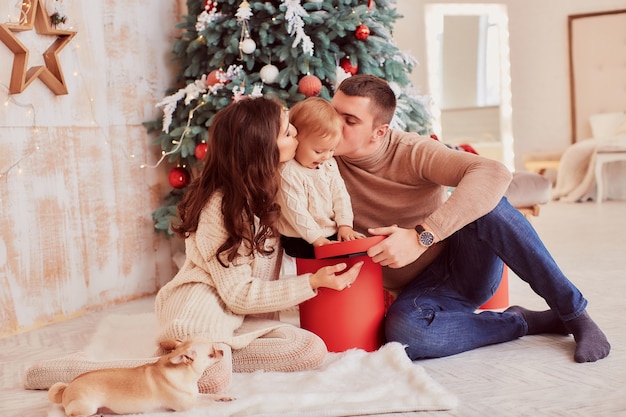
288	49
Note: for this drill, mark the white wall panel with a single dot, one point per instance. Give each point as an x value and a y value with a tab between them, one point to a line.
76	206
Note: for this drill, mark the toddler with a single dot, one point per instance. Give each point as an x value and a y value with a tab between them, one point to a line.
315	205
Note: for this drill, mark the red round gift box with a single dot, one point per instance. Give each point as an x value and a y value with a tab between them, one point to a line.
352	318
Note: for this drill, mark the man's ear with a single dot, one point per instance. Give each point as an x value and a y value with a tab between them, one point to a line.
380	131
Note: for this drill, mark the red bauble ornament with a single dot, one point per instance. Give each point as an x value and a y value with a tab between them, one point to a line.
215	77
310	85
347	66
179	177
200	151
210	5
468	148
362	32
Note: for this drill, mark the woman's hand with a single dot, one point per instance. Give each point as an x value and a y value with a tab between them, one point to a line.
328	276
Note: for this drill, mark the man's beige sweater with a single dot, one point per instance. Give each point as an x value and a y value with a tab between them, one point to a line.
407	182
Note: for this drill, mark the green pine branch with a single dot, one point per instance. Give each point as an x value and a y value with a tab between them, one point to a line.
331	26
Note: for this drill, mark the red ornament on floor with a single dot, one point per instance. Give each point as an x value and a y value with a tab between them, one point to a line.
179	177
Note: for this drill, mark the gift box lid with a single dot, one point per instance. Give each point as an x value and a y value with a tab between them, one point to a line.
348	248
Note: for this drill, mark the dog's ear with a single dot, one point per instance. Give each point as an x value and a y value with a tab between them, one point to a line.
169	345
185	357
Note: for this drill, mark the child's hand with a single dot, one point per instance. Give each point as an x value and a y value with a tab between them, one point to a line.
321	241
345	233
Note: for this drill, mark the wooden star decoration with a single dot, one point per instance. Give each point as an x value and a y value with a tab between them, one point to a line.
50	74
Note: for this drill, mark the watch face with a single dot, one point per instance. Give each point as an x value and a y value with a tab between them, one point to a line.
427	238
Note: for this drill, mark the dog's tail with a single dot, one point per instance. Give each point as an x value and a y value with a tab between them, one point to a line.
55	393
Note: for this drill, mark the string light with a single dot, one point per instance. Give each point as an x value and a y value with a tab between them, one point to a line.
179	142
78	74
4	174
24	7
29	113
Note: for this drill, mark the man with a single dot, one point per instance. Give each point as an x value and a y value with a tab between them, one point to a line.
444	256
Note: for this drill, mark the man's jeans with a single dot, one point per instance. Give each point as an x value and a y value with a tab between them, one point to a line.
435	314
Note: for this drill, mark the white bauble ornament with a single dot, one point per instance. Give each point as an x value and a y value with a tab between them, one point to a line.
247	46
269	73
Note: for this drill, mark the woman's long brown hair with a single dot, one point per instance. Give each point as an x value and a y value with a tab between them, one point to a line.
242	162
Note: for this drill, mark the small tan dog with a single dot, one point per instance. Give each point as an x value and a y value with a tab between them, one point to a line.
170	383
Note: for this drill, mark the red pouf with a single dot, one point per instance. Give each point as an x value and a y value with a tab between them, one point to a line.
500	299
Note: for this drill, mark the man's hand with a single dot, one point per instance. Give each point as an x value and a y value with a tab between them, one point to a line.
399	249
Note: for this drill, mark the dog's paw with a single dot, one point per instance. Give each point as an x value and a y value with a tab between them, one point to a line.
225	399
217	397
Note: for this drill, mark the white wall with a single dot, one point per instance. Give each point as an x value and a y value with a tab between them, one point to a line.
460	62
75	203
539	65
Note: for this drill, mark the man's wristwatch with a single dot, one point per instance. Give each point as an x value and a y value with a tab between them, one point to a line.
424	237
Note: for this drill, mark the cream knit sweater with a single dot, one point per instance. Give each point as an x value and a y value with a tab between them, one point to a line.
314	202
234	305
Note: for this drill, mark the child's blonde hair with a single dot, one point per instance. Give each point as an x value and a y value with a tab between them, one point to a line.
317	118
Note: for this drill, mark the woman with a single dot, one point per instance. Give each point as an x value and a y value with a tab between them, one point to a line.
228	289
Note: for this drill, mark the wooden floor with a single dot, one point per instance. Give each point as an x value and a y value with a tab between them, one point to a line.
532	376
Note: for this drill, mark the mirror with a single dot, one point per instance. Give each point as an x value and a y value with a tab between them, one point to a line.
467	48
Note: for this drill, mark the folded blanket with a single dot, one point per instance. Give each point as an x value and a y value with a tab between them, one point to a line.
576	177
575	180
350	383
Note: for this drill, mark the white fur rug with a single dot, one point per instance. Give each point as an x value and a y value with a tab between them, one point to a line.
351	383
